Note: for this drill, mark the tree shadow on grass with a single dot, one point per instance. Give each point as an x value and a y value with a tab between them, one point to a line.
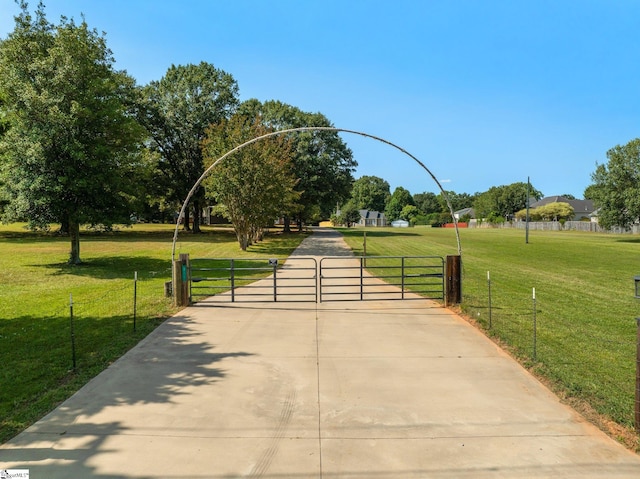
218	235
208	234
171	362
114	267
373	233
629	239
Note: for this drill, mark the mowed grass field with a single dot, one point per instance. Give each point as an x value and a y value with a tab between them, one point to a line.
36	288
585	309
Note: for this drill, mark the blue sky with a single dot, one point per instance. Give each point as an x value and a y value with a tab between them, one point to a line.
485	93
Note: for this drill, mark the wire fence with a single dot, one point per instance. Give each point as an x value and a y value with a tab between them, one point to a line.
587	226
90	329
597	364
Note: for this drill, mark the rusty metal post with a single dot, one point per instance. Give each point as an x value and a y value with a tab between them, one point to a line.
454	283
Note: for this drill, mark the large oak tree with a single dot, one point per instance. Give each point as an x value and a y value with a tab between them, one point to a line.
69	155
370	193
176	111
504	201
616	186
397	201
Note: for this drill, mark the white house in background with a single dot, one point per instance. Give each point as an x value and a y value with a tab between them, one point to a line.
372	218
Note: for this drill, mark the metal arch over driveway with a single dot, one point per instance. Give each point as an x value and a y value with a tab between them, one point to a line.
300	129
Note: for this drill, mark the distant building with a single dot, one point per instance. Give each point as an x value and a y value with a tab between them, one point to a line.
372	218
400	224
581	208
464	212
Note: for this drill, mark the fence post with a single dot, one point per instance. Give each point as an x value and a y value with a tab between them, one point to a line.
73	333
274	263
490	311
364	246
232	275
454	283
135	298
637	403
535	328
402	274
177	283
362	260
186	280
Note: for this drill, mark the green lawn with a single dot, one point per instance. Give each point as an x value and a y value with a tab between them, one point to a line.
36	287
585	305
585	308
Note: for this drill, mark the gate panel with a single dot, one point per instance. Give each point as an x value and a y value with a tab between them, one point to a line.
254	279
381	277
300	279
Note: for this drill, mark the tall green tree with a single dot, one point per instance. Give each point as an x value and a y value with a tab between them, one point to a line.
70	154
322	162
458	201
370	193
550	212
176	111
255	185
4	126
398	200
427	203
616	186
503	201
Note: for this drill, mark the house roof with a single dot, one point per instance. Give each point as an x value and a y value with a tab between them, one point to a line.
465	211
579	206
369	214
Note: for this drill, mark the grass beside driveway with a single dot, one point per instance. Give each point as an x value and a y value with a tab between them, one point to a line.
585	305
35	328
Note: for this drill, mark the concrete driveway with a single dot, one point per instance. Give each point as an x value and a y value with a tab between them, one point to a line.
377	389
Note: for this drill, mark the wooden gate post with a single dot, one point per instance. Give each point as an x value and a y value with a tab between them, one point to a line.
453	293
176	278
186	280
180	277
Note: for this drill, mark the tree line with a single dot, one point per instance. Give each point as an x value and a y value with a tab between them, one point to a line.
499	203
615	192
81	143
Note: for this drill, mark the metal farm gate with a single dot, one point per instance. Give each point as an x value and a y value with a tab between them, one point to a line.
381	277
254	279
304	279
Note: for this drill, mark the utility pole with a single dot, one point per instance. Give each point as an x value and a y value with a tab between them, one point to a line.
527	218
